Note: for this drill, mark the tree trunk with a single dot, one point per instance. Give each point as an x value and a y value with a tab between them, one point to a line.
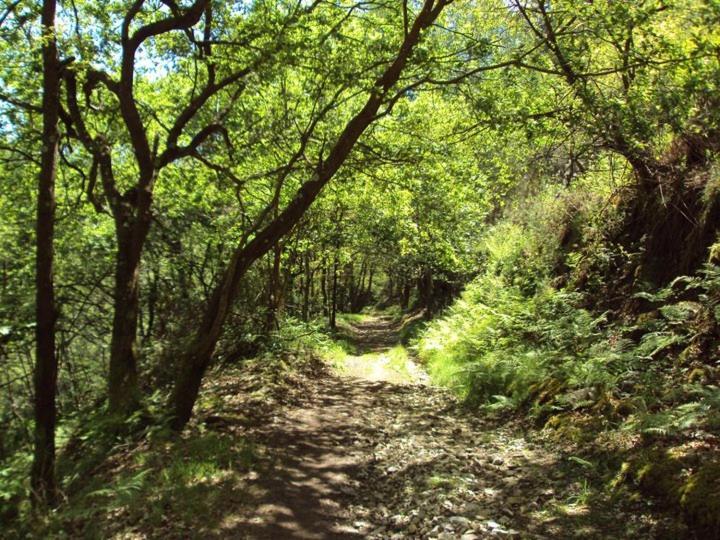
323	287
348	289
333	302
44	489
153	298
370	282
123	391
389	290
193	364
274	291
405	295
426	292
307	282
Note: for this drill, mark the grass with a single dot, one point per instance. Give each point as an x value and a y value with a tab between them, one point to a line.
167	483
354	318
398	361
442	481
335	353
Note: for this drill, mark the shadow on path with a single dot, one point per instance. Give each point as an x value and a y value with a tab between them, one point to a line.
342	457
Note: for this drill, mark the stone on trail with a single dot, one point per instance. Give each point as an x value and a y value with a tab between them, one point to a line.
460	522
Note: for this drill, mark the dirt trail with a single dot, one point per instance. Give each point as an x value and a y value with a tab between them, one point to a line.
373	334
319	448
348	457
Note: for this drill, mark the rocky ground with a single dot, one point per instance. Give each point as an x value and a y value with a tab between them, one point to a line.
345	457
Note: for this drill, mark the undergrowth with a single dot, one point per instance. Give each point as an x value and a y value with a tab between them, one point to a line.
526	336
136	474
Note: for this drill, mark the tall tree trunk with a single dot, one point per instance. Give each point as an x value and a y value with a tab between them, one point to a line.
371	273
426	291
153	298
307	282
194	363
123	391
274	290
404	293
348	289
44	489
389	290
363	275
323	287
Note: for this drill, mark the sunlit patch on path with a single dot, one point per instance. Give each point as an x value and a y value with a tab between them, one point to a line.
379	356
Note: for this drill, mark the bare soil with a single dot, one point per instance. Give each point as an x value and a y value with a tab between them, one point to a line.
345	457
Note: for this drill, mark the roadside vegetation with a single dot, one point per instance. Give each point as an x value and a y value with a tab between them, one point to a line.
630	385
209	210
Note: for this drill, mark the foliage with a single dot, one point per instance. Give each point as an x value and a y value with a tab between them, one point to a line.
520	339
509	159
514	339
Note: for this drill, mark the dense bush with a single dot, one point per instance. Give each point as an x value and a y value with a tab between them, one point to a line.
516	339
538	332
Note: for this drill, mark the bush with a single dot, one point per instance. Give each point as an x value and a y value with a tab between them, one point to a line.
498	345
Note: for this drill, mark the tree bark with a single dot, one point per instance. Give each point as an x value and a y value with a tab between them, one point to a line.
306	289
123	391
275	291
194	363
323	287
370	282
334	300
405	294
44	489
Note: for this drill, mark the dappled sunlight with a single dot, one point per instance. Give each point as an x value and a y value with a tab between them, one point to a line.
379	357
324	455
351	457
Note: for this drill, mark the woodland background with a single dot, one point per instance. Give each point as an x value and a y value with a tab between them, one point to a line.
220	180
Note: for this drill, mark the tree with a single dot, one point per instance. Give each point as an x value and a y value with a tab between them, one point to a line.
44	490
626	106
131	206
196	360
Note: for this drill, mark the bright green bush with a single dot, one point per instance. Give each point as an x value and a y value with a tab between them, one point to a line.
517	339
496	344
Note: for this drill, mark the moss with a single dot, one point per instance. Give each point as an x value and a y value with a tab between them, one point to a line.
663	475
545	391
658	474
698	375
621	478
555	422
625	407
609	407
655	472
645	319
700	500
573	427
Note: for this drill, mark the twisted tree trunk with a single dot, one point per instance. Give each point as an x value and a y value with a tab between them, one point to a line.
194	363
123	391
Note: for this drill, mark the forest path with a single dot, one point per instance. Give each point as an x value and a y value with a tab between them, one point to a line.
361	455
379	355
